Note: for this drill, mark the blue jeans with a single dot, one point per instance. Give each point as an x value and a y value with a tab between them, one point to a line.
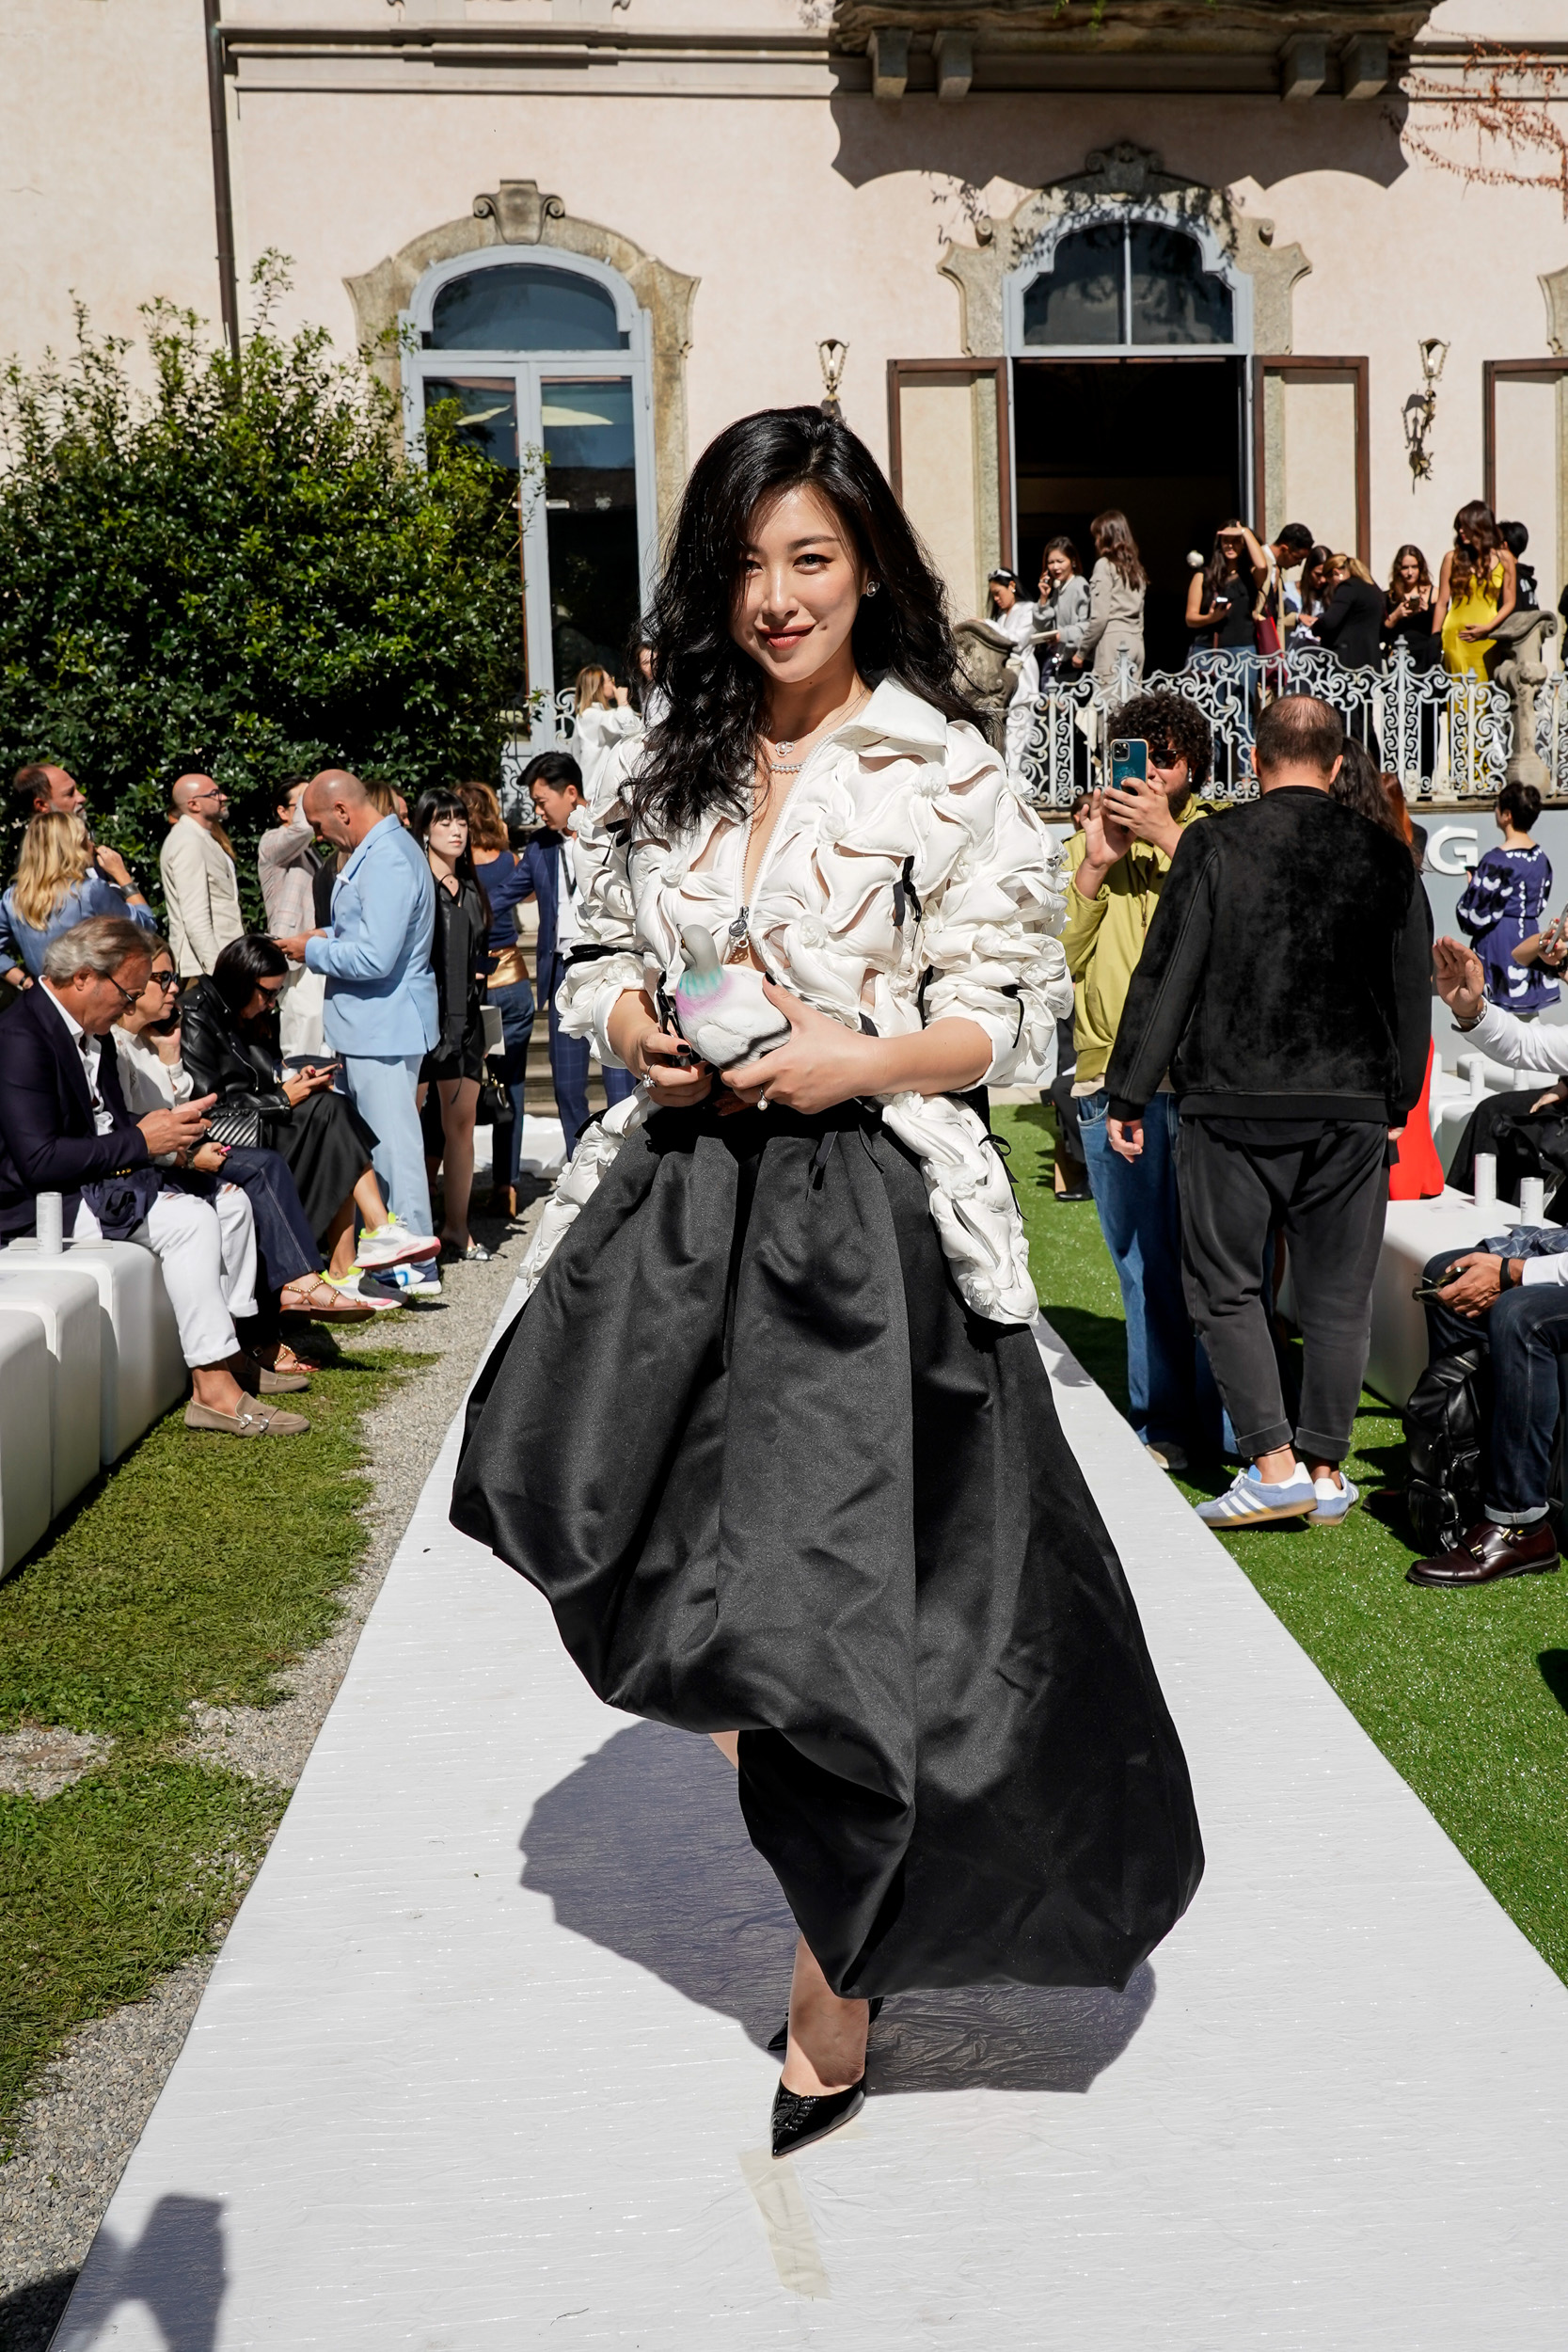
569	1062
383	1090
1527	1334
515	1005
1170	1389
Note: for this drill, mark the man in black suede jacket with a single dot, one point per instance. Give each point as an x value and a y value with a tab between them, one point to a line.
1287	988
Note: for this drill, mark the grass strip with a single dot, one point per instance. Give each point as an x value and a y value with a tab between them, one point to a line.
1466	1694
105	1888
197	1568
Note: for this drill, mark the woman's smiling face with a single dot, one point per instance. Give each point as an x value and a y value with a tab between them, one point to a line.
800	588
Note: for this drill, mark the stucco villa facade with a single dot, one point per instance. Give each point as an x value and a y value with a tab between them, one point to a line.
1165	254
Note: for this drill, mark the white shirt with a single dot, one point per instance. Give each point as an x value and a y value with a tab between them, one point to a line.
1016	623
90	1049
568	917
1531	1045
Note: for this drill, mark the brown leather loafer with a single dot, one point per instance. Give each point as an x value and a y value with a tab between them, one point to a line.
1488	1552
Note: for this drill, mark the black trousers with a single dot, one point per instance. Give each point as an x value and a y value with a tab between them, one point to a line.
1328	1196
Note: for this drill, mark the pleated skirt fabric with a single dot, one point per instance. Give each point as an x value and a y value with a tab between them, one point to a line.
772	1475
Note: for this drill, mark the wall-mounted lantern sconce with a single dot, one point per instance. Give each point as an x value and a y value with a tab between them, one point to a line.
1421	407
832	354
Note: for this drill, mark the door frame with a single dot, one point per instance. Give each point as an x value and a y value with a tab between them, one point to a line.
1548	370
1288	363
998	370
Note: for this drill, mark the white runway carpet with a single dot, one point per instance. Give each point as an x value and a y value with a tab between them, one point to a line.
482	2062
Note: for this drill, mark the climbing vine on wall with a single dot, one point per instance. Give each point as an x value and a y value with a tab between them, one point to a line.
1495	119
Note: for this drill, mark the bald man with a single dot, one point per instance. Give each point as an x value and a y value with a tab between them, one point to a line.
380	1013
200	887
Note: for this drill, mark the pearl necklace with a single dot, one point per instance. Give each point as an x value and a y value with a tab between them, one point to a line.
783	767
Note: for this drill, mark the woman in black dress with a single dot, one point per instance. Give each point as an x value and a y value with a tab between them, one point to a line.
772	1433
460	954
229	1042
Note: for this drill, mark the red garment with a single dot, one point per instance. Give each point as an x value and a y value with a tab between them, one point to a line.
1416	1172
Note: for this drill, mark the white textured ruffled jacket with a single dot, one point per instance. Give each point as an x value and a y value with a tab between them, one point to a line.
905	882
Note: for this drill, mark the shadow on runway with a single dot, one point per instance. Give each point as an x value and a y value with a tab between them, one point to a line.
643	1850
175	2268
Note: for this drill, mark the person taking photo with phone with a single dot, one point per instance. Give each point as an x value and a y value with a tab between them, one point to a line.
1286	987
1119	860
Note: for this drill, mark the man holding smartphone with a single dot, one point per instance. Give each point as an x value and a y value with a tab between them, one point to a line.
1120	862
1287	989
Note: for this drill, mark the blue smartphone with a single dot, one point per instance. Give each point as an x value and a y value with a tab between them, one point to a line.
1128	763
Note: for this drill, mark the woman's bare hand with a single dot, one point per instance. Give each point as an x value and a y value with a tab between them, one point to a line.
823	1063
210	1158
308	1082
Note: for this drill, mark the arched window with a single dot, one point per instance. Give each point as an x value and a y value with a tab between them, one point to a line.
550	353
521	306
1126	284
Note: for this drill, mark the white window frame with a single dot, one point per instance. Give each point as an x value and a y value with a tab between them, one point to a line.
1041	259
528	372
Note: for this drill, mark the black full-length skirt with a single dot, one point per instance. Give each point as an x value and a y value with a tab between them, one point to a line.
772	1475
328	1146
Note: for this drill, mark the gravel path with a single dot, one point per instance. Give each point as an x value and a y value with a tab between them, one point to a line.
78	2133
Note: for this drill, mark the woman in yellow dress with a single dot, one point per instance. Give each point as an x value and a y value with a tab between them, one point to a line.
1476	589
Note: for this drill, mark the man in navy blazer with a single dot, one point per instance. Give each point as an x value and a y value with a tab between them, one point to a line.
554	785
64	1128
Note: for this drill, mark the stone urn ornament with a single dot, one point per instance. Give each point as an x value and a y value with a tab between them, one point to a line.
1519	666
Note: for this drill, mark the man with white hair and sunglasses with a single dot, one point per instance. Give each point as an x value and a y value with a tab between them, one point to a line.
65	1128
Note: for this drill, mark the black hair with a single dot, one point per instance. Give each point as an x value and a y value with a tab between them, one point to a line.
429	810
1296	536
1514	537
243	964
1061	546
557	767
1520	804
702	753
1299	727
1359	786
1174	723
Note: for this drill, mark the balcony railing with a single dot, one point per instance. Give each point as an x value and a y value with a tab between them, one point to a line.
1445	737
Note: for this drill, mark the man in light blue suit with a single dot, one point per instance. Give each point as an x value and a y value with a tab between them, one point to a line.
380	1015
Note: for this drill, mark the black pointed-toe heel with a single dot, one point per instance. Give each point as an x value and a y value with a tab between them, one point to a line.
798	2120
780	2042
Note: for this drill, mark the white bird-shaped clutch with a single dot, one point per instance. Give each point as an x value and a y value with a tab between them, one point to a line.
720	1007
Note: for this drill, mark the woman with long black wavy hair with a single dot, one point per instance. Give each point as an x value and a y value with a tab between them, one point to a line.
771	1433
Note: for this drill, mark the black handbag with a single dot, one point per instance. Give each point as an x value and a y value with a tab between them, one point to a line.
1445	1428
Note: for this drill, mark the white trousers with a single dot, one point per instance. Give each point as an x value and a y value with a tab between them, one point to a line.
207	1250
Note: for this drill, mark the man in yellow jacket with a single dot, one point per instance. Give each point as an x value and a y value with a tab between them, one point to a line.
1119	865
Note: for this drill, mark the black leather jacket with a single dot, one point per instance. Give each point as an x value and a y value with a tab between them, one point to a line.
240	1065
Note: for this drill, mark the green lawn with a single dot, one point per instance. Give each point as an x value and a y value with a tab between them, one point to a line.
195	1569
1466	1694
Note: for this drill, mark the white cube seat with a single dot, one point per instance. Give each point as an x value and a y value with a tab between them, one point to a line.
1413	1232
68	1306
143	1368
27	1481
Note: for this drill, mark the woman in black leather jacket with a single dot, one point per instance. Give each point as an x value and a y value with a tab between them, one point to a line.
229	1043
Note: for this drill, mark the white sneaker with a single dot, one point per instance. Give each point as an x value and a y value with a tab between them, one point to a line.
1248	1502
1334	1502
413	1282
393	1244
354	1284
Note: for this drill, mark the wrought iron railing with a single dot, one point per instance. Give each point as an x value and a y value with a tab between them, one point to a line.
1443	737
